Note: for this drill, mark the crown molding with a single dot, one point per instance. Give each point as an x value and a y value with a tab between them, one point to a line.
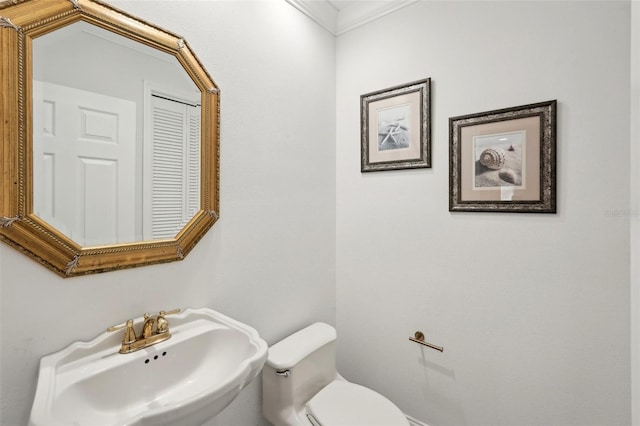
363	12
349	17
320	12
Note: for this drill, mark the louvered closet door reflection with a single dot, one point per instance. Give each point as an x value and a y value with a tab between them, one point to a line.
175	164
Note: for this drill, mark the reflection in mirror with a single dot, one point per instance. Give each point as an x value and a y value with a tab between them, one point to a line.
110	138
116	137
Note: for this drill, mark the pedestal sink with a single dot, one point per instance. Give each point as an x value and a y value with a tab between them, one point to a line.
184	380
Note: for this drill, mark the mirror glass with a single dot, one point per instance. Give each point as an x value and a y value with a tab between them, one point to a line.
116	137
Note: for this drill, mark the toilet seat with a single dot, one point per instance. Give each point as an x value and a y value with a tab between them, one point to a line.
348	404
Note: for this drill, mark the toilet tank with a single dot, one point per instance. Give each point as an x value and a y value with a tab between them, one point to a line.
296	369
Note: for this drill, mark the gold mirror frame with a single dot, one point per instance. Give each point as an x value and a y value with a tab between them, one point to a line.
21	22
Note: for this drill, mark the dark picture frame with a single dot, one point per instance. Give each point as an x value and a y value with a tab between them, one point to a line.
395	126
504	160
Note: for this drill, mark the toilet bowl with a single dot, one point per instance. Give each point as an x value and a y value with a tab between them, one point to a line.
301	386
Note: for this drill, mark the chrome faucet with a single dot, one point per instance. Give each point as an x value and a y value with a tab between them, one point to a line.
131	342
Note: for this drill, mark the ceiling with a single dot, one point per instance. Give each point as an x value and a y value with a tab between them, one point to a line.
340	16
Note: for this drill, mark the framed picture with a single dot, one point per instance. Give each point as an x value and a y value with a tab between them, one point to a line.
395	127
504	160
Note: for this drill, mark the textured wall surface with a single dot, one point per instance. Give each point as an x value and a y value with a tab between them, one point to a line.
270	260
635	212
532	310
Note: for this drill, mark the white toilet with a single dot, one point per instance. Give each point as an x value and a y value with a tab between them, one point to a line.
300	386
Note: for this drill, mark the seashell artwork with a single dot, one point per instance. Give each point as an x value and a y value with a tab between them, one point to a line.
492	158
509	176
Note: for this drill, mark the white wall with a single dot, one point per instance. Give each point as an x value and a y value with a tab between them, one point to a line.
635	211
532	310
270	260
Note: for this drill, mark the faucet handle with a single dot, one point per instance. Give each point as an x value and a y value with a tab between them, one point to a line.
162	325
118	327
129	334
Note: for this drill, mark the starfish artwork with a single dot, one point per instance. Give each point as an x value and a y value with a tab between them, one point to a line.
393	129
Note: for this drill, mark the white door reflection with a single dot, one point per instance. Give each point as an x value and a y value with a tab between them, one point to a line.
83	141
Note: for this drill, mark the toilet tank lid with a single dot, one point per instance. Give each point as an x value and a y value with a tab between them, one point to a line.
291	350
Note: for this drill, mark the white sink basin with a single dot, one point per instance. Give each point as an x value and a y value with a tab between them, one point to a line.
184	380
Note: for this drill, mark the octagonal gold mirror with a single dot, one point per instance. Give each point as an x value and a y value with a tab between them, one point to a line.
110	138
